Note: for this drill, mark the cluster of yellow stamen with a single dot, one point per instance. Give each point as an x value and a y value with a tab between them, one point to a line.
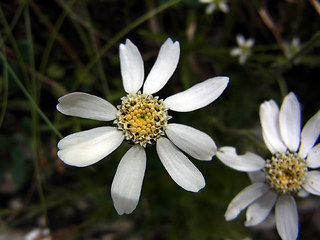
143	118
285	172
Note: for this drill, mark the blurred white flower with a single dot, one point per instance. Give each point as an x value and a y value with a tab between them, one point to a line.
287	172
244	48
293	47
15	203
215	5
142	119
38	234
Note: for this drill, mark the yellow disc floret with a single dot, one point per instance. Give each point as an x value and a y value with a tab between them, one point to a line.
285	172
143	118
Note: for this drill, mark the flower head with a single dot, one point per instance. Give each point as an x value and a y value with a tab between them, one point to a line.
243	50
287	172
215	5
142	119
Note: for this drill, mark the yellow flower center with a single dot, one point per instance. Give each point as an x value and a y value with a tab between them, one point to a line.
143	118
285	172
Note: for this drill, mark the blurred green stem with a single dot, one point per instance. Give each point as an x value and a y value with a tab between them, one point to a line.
30	98
95	48
15	19
96	59
282	85
15	47
249	134
291	61
4	88
53	36
129	28
306	48
35	119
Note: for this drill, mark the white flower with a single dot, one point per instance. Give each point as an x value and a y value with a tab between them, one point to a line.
142	119
215	5
287	172
243	50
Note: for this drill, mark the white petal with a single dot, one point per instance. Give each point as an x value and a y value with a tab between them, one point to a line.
224	7
127	182
131	65
198	96
260	209
303	193
85	105
287	217
250	42
248	162
289	121
179	167
244	198
258	176
210	8
269	113
194	142
312	182
313	160
163	68
235	52
240	39
295	42
88	147
309	134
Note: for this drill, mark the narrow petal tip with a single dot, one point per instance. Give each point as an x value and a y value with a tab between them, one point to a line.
163	68
198	96
127	183
131	66
123	205
179	167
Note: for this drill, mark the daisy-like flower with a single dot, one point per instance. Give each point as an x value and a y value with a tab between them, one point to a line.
215	5
286	173
142	119
244	48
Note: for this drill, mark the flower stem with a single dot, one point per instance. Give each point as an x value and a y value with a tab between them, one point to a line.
30	98
35	120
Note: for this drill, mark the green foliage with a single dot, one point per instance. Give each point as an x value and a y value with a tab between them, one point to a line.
50	48
18	157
